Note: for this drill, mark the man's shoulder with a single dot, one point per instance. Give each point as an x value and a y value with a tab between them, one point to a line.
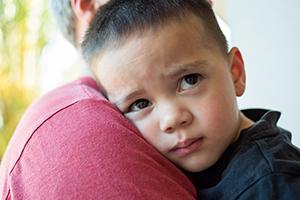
62	110
55	101
84	88
58	99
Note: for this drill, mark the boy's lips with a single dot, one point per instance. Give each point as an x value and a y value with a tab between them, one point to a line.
187	146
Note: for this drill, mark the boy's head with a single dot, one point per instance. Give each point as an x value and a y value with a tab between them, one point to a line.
165	65
118	19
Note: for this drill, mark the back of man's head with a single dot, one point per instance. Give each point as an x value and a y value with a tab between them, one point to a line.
65	18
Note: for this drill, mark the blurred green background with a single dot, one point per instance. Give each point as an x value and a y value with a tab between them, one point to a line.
25	26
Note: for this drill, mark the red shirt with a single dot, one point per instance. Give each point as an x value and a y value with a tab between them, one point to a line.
73	144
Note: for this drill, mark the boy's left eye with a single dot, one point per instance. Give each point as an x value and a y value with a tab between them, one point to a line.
138	105
189	81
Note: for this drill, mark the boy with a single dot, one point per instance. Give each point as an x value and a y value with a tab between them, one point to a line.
166	66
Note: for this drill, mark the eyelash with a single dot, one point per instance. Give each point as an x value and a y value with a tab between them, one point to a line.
131	107
137	102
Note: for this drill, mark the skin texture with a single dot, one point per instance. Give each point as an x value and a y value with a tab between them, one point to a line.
178	88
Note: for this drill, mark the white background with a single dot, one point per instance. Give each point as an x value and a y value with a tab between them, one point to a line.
268	35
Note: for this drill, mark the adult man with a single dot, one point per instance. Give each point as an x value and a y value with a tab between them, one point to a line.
73	144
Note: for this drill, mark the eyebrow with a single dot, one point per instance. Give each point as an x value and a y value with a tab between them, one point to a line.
177	70
174	71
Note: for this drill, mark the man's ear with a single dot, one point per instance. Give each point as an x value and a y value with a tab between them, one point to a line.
84	10
237	70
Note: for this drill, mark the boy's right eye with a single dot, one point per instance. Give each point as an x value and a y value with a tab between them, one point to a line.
138	105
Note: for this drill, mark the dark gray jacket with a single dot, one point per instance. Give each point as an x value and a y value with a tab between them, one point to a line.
262	164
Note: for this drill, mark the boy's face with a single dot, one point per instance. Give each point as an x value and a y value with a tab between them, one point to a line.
179	91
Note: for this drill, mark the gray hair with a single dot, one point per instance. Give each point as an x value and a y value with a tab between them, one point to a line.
65	18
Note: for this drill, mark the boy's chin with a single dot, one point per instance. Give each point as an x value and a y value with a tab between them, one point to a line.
195	167
198	164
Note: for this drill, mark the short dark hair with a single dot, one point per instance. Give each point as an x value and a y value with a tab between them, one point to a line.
120	18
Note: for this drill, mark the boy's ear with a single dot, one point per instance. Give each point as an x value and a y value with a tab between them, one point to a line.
84	10
237	70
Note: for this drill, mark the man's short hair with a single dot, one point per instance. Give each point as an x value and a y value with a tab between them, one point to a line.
120	18
65	18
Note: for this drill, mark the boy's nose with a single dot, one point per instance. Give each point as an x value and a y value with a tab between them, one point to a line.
175	118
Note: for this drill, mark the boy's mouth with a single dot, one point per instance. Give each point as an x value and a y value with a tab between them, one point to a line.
187	146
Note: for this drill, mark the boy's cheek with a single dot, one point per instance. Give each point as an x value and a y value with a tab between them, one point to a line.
216	112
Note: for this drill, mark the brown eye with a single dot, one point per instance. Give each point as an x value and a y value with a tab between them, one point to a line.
189	81
139	105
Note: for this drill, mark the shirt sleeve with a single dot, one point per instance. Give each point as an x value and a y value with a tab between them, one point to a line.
274	186
90	151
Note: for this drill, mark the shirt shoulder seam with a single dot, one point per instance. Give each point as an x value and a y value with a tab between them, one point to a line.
44	121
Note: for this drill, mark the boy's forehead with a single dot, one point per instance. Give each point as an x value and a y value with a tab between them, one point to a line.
169	48
155	43
182	22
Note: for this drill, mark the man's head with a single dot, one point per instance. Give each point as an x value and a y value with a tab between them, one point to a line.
74	16
165	65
